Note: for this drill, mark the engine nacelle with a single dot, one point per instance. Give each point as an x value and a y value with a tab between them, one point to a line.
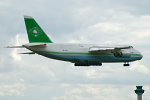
122	55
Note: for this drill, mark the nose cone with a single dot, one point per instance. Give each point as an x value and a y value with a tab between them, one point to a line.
140	56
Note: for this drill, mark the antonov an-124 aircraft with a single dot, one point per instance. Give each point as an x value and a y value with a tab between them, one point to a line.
79	54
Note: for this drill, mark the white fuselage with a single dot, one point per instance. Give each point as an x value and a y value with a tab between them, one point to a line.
80	53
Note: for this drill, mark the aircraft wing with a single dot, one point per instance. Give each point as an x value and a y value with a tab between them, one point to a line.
99	49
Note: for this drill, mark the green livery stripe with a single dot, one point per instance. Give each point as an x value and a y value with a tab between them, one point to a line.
35	32
80	53
76	53
135	55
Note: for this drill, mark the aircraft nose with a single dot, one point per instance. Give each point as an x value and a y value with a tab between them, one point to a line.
141	56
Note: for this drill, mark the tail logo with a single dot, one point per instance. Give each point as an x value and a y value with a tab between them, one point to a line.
35	32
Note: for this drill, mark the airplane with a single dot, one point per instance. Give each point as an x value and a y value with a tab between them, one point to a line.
79	54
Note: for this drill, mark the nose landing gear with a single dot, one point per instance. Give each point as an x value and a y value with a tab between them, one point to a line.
126	64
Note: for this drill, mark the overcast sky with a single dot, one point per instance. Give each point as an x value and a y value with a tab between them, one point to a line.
33	77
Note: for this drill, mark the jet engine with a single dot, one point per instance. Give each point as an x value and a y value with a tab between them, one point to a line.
122	54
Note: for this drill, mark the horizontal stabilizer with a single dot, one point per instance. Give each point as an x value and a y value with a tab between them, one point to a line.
36	45
14	47
28	53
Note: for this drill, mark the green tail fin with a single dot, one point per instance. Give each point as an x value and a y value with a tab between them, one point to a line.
35	33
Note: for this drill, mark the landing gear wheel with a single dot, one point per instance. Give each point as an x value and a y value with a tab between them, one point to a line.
118	54
126	64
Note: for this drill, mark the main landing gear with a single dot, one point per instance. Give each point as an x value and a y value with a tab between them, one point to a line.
126	64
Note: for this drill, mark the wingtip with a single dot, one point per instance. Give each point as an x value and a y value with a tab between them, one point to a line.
25	16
